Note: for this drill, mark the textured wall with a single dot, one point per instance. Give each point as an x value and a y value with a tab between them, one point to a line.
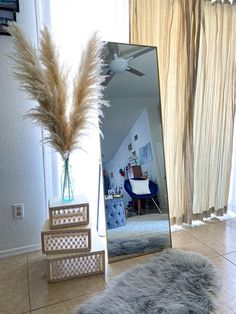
21	163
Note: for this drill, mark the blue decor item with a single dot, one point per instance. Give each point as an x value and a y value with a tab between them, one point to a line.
66	185
115	212
145	153
153	187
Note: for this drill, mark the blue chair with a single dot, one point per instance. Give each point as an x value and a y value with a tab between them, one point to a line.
153	187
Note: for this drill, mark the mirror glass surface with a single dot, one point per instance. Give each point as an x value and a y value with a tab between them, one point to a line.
134	179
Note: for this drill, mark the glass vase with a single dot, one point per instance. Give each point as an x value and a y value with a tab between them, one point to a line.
66	182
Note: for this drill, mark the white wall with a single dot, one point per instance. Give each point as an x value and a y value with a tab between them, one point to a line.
21	161
73	21
120	160
154	115
153	135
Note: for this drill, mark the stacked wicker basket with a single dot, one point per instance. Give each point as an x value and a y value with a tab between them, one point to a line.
66	240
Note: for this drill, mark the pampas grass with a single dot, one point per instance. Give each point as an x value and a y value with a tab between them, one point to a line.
42	77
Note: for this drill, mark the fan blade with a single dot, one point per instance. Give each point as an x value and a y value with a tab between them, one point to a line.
139	53
135	71
105	64
113	49
105	67
109	76
105	70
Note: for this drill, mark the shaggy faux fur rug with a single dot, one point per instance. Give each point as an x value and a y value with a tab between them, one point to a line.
141	244
174	282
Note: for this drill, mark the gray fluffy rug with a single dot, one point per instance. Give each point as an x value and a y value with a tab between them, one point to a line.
141	244
174	282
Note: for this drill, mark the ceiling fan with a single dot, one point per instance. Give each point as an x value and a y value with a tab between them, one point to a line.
120	64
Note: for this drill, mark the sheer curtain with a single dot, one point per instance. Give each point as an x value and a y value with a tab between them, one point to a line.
196	47
214	109
232	194
172	27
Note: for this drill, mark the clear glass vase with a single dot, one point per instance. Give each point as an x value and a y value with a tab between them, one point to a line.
66	182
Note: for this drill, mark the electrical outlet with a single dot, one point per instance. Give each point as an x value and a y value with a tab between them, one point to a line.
18	211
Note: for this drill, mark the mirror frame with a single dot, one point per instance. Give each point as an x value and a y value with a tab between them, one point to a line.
128	256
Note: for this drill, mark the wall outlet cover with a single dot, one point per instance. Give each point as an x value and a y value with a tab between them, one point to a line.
18	211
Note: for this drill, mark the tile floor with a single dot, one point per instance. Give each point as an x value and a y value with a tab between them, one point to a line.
24	288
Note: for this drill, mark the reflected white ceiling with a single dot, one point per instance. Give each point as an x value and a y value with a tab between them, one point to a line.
128	95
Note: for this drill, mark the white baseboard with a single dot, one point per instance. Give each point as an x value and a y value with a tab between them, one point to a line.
20	250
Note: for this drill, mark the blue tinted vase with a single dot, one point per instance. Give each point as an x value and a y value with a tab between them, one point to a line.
66	182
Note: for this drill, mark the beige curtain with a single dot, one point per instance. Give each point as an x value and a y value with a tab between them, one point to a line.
223	1
214	108
178	29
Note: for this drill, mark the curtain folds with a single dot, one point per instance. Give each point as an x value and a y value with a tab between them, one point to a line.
196	51
214	108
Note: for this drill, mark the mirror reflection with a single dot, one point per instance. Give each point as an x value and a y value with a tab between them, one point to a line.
135	191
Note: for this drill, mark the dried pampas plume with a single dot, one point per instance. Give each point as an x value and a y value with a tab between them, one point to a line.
41	76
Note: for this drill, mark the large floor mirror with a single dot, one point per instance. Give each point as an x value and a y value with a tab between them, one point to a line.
134	179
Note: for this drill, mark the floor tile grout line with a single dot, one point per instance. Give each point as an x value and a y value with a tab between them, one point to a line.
207	246
66	300
204	244
70	299
226	223
28	279
226	260
229	259
230	226
87	294
234	251
219	255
